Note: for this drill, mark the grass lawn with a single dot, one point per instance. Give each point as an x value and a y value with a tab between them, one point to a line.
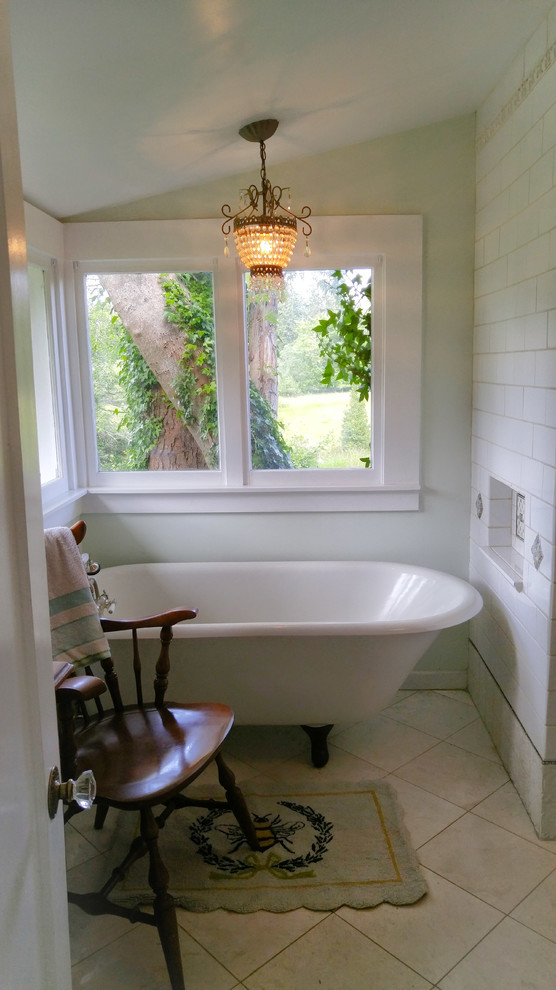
318	418
313	416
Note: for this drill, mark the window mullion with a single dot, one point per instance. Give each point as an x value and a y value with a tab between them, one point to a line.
232	379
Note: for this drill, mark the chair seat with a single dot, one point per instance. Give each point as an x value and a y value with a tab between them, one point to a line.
146	755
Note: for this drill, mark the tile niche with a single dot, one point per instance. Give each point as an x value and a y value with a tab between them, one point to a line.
502	510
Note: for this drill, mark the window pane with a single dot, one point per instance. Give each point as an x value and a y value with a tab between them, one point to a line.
44	378
310	371
153	368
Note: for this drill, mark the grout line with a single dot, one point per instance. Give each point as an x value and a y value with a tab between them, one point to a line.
472	949
536	887
211	954
399	766
280	951
387	951
106	945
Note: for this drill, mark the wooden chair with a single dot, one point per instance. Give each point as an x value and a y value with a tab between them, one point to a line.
142	755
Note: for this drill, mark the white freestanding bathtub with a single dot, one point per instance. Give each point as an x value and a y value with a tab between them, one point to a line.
292	642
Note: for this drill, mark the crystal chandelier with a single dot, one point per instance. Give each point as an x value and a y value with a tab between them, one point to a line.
265	230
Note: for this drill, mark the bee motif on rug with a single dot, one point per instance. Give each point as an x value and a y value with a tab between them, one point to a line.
269	833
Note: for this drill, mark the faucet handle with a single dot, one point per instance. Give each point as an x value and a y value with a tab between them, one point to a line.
91	566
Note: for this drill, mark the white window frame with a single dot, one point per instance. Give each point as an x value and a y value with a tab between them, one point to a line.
392	246
55	492
130	481
342	478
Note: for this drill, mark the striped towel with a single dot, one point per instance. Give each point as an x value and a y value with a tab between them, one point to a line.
75	628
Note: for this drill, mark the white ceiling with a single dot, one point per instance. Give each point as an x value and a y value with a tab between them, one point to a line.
123	99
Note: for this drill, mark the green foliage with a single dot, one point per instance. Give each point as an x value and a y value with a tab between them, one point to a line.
344	335
189	304
308	294
301	364
112	436
355	424
268	447
124	389
302	453
141	388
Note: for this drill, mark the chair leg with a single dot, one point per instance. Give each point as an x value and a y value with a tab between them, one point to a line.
237	803
100	815
164	908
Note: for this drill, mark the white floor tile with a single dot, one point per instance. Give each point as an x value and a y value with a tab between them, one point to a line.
458	695
510	958
475	739
242	772
333	956
432	935
538	911
384	742
505	808
265	746
454	774
341	766
432	713
119	828
487	861
89	933
78	848
425	815
243	943
136	960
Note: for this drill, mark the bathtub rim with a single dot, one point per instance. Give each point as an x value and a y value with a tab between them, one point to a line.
469	604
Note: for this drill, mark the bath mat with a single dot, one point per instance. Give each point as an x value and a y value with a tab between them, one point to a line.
321	848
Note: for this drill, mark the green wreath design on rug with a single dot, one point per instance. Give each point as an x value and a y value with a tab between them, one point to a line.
271	831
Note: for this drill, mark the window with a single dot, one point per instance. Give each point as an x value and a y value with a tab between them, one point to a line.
309	355
228	379
50	402
43	372
151	337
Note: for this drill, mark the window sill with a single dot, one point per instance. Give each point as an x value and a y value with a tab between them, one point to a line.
504	560
57	511
99	500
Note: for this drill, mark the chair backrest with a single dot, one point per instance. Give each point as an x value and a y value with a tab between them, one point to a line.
164	621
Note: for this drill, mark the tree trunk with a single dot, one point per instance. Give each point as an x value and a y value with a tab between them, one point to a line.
138	300
262	349
176	450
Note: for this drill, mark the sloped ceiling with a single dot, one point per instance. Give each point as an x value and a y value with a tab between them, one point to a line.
123	99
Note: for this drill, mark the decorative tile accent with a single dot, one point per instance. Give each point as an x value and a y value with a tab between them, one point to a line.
519	516
522	92
536	550
479	505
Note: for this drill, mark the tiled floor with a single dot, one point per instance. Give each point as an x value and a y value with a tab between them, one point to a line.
488	921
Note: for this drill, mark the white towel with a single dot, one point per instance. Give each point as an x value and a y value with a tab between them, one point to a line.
75	628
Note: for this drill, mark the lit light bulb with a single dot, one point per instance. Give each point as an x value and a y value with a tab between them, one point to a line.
265	247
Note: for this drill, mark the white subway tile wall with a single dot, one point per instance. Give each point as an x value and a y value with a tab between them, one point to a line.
514	419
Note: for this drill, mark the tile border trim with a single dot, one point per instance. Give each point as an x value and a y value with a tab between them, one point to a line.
521	94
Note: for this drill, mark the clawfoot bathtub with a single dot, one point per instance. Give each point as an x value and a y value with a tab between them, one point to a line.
294	642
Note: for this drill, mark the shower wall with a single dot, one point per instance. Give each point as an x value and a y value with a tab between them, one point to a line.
513	663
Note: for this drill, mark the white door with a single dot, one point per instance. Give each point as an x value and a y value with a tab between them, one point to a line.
34	944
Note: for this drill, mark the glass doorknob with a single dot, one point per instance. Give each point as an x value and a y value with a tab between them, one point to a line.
82	791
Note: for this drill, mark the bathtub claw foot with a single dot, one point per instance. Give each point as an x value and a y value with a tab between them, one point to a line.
319	749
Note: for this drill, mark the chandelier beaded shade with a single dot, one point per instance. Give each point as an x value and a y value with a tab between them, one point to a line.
265	230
